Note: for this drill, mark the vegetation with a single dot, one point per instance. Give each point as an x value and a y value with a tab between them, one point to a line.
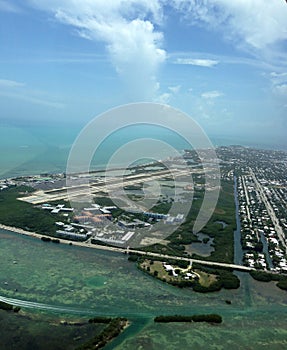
225	279
24	215
207	279
9	307
162	208
133	257
34	330
104	201
282	284
162	249
46	239
113	329
210	318
223	235
100	319
261	276
6	306
214	287
267	277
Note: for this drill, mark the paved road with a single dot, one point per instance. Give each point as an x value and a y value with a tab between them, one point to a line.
270	210
167	257
129	250
247	198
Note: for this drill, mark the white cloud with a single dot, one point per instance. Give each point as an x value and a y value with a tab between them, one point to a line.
276	75
280	89
254	23
174	89
278	83
196	62
4	83
125	26
163	98
129	29
211	94
278	78
167	96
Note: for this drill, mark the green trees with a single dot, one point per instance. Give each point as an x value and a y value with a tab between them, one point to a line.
282	284
210	318
225	279
261	276
6	306
9	307
24	215
267	277
114	328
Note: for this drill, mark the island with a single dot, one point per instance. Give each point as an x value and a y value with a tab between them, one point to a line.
156	232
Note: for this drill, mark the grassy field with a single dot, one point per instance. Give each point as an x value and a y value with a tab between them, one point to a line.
156	268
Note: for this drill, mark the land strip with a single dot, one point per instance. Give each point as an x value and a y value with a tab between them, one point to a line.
130	251
105	186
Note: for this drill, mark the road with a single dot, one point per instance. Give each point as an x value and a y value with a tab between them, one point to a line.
270	210
247	198
129	250
167	257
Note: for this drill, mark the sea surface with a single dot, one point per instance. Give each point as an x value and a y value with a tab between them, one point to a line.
68	279
29	149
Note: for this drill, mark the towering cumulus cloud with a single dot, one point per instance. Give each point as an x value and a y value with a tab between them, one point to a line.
132	30
127	27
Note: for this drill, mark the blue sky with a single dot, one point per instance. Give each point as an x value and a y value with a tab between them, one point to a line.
223	62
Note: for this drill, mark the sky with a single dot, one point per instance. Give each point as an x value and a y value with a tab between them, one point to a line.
222	62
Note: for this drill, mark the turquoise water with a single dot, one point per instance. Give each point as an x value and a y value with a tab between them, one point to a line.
32	150
91	282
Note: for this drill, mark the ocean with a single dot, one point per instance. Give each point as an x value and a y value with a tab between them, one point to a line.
60	279
28	150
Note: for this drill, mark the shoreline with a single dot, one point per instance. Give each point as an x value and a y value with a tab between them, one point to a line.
74	243
125	250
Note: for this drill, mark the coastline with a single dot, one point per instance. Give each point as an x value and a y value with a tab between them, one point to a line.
74	243
124	250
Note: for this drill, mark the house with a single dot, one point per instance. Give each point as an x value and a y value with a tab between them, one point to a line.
168	267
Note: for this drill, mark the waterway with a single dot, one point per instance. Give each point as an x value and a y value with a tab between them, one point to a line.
68	279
